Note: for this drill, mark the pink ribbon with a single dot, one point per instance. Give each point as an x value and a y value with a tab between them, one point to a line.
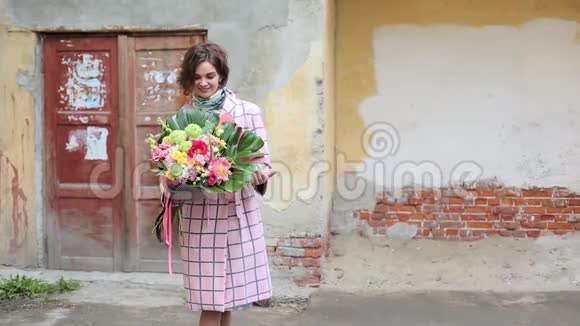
167	224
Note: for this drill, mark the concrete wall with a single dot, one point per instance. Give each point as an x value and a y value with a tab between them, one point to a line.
456	91
277	53
18	226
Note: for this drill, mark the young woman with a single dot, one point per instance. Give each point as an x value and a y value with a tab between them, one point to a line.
225	263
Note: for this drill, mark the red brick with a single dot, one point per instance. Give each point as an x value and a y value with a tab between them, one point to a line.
562	232
453	209
492	232
447	217
577	226
480	225
561	218
417	217
313	253
453	200
546	218
507	202
477	209
470	217
430	194
493	202
505	217
451	232
534	210
377	223
364	215
415	201
576	210
506	233
534	202
481	201
307	242
533	234
306	262
401	208
556	202
539	192
381	208
520	201
559	210
451	224
505	210
430	208
560	226
493	217
510	225
534	225
485	193
438	233
423	232
390	223
428	201
574	202
271	250
377	216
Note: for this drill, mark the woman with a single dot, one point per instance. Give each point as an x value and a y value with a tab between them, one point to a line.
225	263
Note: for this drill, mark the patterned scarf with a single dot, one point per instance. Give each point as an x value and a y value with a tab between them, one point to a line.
213	103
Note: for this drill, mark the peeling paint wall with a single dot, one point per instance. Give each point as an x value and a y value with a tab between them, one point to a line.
18	226
277	57
455	91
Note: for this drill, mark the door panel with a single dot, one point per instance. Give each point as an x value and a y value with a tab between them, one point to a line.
103	95
82	134
153	64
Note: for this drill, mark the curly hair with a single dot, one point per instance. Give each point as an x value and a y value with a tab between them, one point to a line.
199	54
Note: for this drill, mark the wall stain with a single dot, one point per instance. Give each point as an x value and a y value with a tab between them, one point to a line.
19	216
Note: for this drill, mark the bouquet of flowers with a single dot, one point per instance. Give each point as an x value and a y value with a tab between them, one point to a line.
201	149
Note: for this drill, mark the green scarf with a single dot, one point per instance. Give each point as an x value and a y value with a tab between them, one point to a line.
213	103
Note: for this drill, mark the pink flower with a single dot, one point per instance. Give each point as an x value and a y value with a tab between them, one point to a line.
198	147
211	180
199	159
164	146
158	154
220	169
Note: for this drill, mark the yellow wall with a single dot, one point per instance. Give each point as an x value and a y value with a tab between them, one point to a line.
357	20
17	174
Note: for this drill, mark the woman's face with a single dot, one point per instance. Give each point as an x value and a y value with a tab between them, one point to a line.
206	80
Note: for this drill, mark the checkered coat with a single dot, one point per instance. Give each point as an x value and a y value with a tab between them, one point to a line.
225	263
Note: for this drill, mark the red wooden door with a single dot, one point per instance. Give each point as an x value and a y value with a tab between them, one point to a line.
153	65
81	141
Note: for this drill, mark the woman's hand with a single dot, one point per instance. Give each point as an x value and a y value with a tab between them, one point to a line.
261	176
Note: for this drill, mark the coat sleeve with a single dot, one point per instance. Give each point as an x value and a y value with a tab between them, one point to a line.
257	126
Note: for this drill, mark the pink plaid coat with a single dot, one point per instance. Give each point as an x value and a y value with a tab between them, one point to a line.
225	263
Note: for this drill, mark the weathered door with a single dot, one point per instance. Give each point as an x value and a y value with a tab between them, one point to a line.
82	168
102	98
153	66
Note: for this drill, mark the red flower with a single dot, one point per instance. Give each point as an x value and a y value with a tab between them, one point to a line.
197	147
212	179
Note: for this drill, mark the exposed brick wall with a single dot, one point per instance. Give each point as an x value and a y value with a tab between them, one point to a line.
474	214
302	255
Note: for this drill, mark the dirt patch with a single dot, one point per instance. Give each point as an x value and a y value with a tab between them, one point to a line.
38	303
